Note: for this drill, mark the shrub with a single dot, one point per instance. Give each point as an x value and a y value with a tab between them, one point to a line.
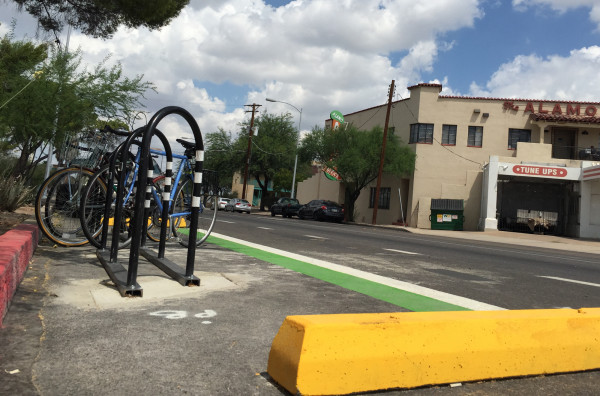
14	192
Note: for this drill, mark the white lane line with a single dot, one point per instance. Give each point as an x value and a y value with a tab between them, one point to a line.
264	228
570	280
401	251
315	237
400	285
225	221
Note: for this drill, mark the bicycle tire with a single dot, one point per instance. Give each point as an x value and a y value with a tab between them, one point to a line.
155	220
57	206
93	200
207	215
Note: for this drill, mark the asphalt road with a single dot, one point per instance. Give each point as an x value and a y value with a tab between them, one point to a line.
502	275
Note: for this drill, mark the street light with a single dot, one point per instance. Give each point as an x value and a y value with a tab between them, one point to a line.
297	138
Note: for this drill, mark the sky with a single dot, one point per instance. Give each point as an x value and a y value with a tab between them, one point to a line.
321	55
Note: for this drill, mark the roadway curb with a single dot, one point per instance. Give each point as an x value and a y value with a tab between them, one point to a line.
349	353
16	249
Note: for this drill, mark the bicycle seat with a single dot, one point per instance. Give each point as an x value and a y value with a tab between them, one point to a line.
186	144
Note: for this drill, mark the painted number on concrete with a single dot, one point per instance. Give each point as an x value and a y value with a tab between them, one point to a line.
167	314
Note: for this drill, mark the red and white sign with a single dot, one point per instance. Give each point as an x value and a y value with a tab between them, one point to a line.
544	171
591	173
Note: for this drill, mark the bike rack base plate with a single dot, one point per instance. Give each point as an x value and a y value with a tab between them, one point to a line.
170	268
118	274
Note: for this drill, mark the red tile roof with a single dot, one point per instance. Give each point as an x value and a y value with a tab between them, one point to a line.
565	118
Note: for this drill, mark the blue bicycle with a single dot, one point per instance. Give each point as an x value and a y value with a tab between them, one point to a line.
95	194
180	202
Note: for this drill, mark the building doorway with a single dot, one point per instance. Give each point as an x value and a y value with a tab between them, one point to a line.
533	205
564	144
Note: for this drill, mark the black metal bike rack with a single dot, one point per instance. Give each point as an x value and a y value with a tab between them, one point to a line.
125	279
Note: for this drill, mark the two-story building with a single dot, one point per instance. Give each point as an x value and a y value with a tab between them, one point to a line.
515	164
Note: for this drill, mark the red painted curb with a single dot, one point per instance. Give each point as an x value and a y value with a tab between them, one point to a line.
16	249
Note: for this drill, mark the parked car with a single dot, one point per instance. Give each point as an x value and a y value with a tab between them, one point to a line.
320	209
287	207
222	202
238	205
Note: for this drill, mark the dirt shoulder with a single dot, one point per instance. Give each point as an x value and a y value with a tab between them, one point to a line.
9	220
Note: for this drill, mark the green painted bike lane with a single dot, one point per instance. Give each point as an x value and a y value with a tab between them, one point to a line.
411	301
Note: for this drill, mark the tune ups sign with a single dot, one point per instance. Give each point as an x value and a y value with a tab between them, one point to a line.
337	119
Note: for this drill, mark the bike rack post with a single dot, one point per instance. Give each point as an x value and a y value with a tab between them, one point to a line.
124	280
187	277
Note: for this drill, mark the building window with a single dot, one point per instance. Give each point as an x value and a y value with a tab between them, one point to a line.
475	138
449	135
384	197
421	133
518	135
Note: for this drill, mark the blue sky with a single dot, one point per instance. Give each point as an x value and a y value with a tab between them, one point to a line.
324	55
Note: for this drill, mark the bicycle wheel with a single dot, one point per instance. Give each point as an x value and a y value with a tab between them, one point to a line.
93	200
57	206
181	215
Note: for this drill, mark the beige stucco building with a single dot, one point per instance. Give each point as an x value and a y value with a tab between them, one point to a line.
516	164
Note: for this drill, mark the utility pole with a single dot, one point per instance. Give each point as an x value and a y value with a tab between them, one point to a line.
382	157
249	151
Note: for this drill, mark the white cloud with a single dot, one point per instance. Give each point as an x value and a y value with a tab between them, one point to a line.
562	6
318	55
569	78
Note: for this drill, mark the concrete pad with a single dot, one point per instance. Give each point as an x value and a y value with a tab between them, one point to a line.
341	354
102	294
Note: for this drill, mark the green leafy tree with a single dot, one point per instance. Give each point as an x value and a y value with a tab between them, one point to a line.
220	155
355	155
50	96
273	149
102	18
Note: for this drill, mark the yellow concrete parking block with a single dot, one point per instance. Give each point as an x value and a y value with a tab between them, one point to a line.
341	354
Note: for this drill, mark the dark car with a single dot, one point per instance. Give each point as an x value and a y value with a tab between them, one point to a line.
287	207
321	209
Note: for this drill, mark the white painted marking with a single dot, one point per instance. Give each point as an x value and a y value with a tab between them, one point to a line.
409	287
265	228
170	314
570	280
401	251
226	221
315	237
208	313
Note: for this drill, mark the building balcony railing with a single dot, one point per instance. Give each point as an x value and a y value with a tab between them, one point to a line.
576	153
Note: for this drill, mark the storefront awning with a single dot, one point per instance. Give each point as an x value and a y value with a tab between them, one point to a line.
591	173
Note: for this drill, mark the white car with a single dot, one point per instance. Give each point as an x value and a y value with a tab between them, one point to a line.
238	205
222	202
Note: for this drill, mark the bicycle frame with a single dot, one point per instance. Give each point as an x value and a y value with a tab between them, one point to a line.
182	166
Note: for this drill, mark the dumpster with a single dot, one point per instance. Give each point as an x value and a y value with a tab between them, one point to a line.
447	214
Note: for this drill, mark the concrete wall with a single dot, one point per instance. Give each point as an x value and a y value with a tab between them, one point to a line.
320	187
590	209
237	186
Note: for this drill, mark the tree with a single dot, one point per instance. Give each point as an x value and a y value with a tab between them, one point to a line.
272	157
273	150
50	96
220	156
355	155
101	18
